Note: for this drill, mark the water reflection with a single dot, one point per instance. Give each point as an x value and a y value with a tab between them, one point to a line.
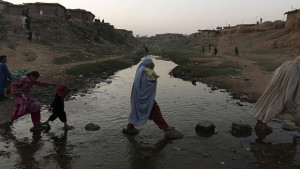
62	150
143	154
269	155
26	152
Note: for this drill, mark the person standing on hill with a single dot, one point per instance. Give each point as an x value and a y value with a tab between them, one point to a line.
23	20
146	50
216	51
236	51
26	11
4	75
27	21
56	12
41	12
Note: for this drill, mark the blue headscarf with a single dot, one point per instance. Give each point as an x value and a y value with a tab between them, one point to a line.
142	95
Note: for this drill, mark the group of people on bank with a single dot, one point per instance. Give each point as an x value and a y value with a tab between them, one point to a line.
278	97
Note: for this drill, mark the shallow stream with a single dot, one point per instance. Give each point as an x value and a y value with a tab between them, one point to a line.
182	104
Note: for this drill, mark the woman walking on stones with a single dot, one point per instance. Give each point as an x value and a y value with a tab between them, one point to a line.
143	104
279	96
24	103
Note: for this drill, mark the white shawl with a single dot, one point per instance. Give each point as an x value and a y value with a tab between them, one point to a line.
280	94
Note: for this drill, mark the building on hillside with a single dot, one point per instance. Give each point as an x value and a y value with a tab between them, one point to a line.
34	9
293	20
75	13
3	5
12	9
88	16
168	36
81	14
244	26
50	9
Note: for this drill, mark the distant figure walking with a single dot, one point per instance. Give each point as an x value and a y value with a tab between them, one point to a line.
37	37
56	12
203	49
236	51
209	46
26	11
216	51
27	21
146	50
261	20
41	12
23	20
29	36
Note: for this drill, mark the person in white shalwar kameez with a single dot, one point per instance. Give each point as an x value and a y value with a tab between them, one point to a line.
279	96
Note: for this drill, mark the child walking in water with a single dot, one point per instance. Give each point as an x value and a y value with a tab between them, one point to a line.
57	106
150	73
24	103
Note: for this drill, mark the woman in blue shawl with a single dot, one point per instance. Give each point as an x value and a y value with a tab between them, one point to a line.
143	104
4	75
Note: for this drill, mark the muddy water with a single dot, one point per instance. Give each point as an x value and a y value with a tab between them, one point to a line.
183	105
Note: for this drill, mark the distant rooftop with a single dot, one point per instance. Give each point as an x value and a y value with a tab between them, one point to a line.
289	12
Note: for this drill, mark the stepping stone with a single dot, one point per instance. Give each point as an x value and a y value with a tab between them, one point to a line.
22	141
173	134
205	126
130	131
40	128
92	127
296	139
241	130
290	127
69	128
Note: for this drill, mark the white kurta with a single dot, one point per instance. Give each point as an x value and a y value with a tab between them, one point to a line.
280	94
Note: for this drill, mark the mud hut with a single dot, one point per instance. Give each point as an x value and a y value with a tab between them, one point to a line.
12	9
293	20
88	16
81	14
3	5
48	9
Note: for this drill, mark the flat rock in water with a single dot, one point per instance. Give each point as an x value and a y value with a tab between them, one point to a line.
68	128
173	134
290	127
22	141
130	131
296	139
241	128
40	128
205	126
92	127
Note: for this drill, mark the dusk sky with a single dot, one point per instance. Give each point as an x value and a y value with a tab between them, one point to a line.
150	17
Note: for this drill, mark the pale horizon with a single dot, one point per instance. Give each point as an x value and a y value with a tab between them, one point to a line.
177	16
